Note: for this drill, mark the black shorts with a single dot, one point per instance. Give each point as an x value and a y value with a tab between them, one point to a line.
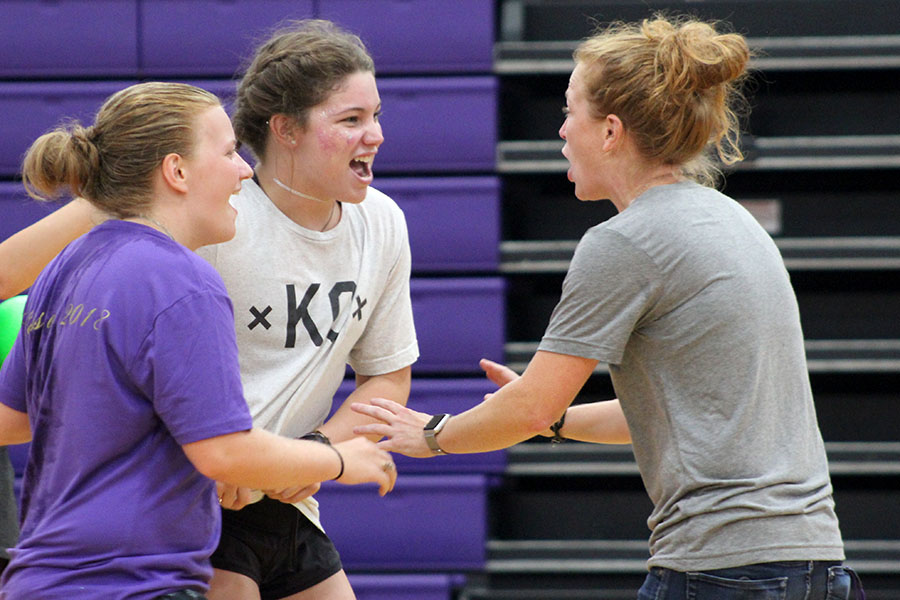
276	546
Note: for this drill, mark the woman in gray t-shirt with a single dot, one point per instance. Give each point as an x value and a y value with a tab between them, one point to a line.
687	299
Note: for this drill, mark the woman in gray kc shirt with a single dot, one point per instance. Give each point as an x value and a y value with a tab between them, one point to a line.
687	299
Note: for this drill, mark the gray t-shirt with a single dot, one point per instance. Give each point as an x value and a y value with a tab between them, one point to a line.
687	299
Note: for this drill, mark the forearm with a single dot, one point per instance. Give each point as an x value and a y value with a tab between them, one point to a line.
261	460
14	426
520	409
597	422
506	418
393	386
24	254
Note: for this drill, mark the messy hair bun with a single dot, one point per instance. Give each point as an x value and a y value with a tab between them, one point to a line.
693	57
63	159
675	84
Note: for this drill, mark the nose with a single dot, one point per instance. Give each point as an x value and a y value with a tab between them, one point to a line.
244	170
374	135
562	129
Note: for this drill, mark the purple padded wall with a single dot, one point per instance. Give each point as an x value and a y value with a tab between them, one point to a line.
453	222
31	109
446	124
404	37
426	523
433	396
458	322
208	37
225	89
18	210
420	36
68	38
404	587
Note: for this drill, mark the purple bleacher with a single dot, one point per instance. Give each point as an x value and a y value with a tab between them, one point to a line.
31	109
433	396
68	38
18	209
429	124
445	124
458	322
433	586
225	89
427	522
208	37
420	36
453	222
404	36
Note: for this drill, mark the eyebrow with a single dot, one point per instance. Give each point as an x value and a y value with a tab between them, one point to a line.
356	109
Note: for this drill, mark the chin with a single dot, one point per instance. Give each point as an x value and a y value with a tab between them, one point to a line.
223	233
588	195
228	233
356	197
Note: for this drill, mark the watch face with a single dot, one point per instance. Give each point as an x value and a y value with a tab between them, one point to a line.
434	421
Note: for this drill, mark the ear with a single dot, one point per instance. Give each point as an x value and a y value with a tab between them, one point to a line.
613	132
284	130
174	172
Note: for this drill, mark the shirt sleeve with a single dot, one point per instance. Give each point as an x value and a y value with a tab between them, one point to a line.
607	290
389	342
188	365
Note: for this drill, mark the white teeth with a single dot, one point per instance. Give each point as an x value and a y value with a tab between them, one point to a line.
365	159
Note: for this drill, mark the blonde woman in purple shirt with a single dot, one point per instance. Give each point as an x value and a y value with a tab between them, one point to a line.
125	376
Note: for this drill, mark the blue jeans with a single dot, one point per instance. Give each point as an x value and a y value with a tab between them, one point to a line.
767	581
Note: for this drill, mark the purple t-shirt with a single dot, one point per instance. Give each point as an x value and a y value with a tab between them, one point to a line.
127	351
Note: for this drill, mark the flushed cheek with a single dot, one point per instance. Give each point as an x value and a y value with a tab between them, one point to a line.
327	142
351	139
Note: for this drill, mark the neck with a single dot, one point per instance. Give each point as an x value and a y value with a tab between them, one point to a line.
304	209
152	222
635	188
297	193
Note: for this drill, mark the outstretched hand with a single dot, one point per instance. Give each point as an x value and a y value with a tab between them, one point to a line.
402	427
497	373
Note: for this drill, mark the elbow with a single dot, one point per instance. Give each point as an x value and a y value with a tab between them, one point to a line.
215	470
210	458
540	420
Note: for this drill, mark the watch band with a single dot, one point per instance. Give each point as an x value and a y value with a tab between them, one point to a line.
432	428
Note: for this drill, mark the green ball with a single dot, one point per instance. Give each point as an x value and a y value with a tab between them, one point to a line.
11	312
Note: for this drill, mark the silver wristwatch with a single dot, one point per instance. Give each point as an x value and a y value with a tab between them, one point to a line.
433	428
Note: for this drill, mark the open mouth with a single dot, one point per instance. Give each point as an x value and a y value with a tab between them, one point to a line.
362	166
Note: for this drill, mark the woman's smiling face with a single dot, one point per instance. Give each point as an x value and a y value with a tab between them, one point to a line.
335	150
217	171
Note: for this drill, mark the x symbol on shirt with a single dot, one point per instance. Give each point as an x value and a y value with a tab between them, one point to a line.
260	317
358	312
